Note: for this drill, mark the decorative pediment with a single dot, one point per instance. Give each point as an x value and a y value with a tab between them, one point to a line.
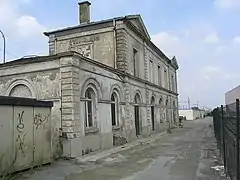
137	21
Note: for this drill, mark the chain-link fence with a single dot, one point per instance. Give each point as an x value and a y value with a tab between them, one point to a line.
226	127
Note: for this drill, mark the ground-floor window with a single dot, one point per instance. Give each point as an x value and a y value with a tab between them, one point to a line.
89	95
114	109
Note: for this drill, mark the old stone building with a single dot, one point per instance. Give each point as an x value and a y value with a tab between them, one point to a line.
109	83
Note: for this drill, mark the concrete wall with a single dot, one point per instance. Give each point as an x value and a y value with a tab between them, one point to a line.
232	95
187	113
25	134
35	80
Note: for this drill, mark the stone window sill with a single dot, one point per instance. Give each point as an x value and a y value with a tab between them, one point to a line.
91	130
116	128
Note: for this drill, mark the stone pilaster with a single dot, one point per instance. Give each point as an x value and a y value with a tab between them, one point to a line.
148	106
121	45
146	62
128	121
70	93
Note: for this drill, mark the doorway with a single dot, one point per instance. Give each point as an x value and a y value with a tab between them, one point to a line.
137	121
153	113
137	112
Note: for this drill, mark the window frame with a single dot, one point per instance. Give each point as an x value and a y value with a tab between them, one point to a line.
91	114
159	76
135	62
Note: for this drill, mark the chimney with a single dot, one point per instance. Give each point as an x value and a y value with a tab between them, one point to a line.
84	12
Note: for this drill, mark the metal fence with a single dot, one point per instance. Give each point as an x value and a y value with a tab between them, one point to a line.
226	127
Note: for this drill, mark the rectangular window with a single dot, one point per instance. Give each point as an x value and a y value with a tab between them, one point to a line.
88	115
151	71
173	84
159	76
165	79
135	63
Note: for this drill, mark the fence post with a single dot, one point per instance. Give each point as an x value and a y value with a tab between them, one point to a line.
237	138
223	136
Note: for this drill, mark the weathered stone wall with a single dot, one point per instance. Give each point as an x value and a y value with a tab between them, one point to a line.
35	80
121	49
127	40
95	44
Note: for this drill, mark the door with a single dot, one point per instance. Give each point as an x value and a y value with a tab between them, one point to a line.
153	118
137	121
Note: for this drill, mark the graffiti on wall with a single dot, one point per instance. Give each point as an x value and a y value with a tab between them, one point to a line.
40	120
21	136
20	125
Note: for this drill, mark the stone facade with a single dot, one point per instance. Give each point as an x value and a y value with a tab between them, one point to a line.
110	85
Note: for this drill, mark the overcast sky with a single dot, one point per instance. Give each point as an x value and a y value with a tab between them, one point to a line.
204	35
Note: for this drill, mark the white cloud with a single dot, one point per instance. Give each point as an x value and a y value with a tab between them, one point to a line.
212	38
167	42
207	70
236	39
208	63
23	32
227	4
27	26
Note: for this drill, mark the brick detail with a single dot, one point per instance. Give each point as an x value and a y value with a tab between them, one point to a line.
70	97
121	45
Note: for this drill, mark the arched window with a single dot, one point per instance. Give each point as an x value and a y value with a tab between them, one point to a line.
160	102
21	90
166	104
137	98
114	109
152	101
89	95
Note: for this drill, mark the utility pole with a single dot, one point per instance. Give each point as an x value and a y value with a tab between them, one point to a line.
4	47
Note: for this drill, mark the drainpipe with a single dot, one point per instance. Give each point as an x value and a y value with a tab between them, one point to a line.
115	43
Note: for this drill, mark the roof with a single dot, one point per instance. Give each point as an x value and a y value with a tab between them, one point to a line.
137	16
84	25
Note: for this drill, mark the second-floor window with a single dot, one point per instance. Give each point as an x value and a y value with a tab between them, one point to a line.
173	83
135	63
165	79
151	69
159	76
